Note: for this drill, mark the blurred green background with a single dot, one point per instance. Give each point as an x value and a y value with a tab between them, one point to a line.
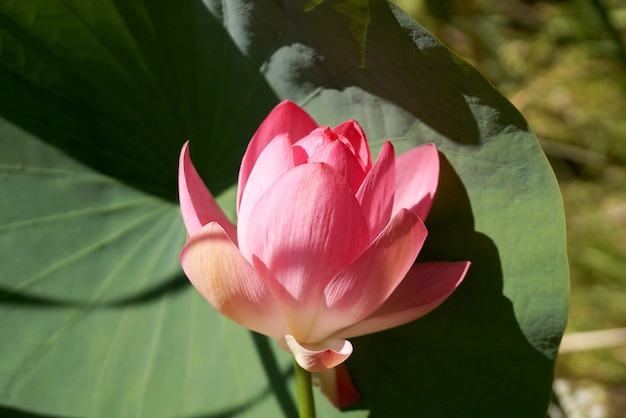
563	65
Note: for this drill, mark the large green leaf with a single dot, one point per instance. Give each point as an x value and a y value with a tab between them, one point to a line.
96	316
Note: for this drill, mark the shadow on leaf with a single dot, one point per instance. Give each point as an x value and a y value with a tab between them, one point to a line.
152	294
122	96
433	366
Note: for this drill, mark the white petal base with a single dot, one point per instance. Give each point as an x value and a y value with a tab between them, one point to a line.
322	356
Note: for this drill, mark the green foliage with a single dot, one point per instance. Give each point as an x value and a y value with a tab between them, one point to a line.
97	318
562	64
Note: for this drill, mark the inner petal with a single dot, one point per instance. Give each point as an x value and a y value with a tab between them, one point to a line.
377	191
286	118
341	158
301	233
315	140
352	131
275	160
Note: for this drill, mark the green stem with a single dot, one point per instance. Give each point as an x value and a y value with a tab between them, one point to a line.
304	388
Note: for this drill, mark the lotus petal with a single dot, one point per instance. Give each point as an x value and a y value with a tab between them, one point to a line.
337	155
425	287
417	176
324	355
360	288
377	190
302	232
272	164
222	275
337	386
353	132
197	205
286	118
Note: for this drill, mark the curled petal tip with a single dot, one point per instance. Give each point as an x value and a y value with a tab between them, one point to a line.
323	356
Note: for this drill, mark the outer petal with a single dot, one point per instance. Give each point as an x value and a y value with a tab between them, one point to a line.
337	386
196	202
301	233
286	118
337	155
416	179
322	356
377	190
366	283
220	273
273	163
352	131
423	289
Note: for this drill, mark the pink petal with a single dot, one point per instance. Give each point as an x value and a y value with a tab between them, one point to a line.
337	386
286	118
337	155
322	356
272	164
377	190
366	283
304	230
197	205
417	176
315	140
423	289
352	131
221	274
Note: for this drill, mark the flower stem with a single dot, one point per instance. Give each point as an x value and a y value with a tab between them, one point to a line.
304	388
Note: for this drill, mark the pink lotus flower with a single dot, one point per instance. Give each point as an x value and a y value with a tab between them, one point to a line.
325	241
